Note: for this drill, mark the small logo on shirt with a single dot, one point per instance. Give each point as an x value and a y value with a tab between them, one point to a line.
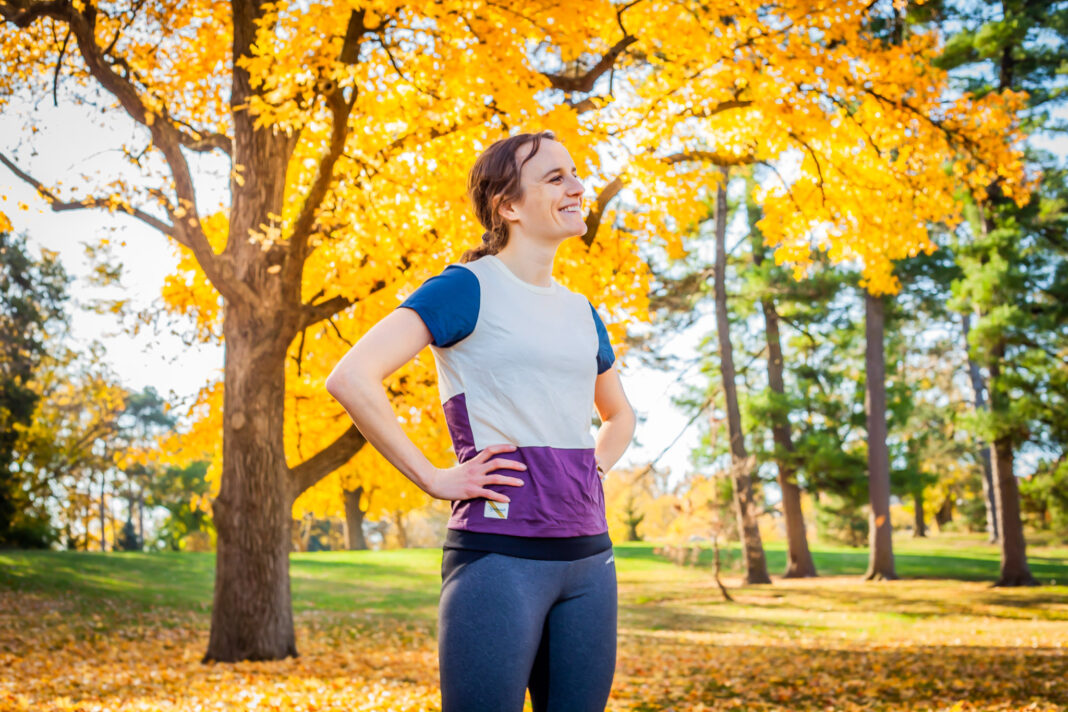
610	559
495	510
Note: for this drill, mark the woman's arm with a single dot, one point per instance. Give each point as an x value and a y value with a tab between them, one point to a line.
356	383
617	418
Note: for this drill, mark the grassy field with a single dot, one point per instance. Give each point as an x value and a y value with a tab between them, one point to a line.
93	631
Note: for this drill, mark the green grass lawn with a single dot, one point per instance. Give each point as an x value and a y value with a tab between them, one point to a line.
406	582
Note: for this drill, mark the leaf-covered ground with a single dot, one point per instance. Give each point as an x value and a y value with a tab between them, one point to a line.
108	632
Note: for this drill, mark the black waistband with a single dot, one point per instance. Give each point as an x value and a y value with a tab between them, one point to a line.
529	547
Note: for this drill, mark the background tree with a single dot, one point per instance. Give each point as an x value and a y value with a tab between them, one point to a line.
747	508
33	293
1013	256
768	281
184	493
71	447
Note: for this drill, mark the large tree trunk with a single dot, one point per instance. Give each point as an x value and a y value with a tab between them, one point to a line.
1014	568
799	563
354	538
881	556
980	404
756	568
252	618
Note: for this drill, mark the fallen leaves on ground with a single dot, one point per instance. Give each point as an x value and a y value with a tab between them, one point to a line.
823	644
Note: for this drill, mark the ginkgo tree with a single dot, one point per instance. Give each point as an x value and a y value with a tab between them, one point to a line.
347	130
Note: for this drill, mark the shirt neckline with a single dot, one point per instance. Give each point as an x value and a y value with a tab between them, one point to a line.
494	260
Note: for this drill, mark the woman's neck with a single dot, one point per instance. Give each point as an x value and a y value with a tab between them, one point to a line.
531	262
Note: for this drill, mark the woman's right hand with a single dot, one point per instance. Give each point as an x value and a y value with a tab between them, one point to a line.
468	480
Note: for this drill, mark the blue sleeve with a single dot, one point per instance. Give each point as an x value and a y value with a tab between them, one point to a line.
605	356
448	305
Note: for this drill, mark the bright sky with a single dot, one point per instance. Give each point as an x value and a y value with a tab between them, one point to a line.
66	149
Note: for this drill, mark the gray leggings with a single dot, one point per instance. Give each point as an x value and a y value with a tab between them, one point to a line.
507	623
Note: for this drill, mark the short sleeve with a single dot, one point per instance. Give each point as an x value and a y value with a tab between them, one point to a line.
448	305
605	356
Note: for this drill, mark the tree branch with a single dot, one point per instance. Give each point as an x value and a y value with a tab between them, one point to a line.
186	227
330	458
593	222
717	159
584	83
819	169
314	313
719	108
114	202
203	143
340	110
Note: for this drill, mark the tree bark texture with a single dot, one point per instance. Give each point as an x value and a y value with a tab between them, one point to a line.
881	551
799	563
978	388
1014	568
756	567
354	538
252	615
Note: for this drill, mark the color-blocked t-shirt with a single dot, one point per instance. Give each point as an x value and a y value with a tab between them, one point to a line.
517	364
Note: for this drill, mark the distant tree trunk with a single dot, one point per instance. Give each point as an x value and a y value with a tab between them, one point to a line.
306	526
756	568
978	388
141	515
631	516
944	515
716	565
103	519
1014	568
632	519
402	529
920	526
799	563
881	555
354	538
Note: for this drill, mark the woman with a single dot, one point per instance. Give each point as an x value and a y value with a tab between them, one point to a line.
528	596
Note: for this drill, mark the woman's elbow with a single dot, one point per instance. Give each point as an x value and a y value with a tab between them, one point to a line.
347	381
624	416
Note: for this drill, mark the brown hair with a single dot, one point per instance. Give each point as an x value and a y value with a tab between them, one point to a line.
493	180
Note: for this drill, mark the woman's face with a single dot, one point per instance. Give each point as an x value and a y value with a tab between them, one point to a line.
552	194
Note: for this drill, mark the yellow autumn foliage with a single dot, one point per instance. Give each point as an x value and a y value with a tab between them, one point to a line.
862	150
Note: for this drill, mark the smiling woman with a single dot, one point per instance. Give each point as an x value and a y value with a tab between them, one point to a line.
528	595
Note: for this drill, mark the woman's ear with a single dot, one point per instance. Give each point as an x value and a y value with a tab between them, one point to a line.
505	209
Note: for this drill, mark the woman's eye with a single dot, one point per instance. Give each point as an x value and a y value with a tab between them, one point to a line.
557	178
